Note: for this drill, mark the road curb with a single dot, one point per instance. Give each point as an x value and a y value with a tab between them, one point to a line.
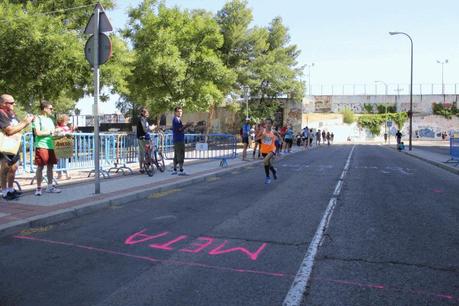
85	209
432	162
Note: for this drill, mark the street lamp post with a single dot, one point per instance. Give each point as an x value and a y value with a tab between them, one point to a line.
309	66
385	104
411	87
246	98
442	77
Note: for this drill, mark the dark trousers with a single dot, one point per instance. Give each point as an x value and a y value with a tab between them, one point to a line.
179	154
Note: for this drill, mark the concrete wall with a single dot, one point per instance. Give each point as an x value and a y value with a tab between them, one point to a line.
421	104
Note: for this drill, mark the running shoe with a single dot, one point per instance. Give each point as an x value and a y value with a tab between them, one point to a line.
174	172
53	190
268	180
38	192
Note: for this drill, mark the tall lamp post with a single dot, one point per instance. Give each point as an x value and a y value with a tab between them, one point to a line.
246	98
411	88
385	104
442	77
309	66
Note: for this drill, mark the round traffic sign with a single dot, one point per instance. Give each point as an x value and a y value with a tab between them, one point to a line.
105	49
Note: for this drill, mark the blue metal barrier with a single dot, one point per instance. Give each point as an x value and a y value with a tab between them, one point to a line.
200	146
453	151
122	149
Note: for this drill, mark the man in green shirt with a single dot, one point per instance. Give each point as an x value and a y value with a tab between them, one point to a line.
43	128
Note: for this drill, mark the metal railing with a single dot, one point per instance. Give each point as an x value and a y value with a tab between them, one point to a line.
118	150
380	89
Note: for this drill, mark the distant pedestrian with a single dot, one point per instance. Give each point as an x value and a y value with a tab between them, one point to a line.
399	136
10	126
245	133
318	137
332	137
278	141
324	136
258	134
178	136
44	129
268	150
63	129
288	139
311	136
328	138
306	137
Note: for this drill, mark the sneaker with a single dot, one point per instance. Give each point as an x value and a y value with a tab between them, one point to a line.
10	196
268	180
174	172
183	173
53	190
38	192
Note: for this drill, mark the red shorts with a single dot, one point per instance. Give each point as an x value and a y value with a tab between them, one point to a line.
45	157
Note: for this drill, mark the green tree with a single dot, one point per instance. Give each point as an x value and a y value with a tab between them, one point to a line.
45	57
399	119
176	58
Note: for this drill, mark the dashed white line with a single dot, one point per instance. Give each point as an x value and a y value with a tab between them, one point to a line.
298	287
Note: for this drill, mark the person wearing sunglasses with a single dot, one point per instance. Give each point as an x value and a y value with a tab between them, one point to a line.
43	130
10	125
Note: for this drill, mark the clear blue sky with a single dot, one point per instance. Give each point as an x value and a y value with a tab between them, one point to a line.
348	40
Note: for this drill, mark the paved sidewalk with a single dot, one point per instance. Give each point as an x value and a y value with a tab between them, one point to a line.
78	196
434	158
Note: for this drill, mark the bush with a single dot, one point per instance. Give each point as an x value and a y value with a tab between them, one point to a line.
372	123
348	116
368	108
442	110
399	119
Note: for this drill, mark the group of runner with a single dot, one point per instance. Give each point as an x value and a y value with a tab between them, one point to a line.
273	141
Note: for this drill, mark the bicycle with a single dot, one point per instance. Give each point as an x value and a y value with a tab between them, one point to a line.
154	156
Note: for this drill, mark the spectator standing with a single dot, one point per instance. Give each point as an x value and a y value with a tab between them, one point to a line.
10	125
288	139
178	131
44	129
143	134
245	133
63	129
318	137
306	137
399	136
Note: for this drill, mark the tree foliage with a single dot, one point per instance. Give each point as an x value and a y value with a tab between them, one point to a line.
374	122
45	58
176	60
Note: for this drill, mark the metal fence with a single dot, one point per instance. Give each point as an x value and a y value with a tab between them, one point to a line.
118	150
200	146
381	89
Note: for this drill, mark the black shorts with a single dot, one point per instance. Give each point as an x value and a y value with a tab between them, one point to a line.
245	139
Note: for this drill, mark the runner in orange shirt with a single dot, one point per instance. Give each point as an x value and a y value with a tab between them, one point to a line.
268	150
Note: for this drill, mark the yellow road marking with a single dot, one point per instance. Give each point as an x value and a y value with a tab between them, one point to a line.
34	230
161	194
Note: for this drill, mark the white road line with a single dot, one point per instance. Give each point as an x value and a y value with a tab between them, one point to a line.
298	287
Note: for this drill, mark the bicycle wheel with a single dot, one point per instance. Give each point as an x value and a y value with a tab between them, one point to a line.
149	168
159	161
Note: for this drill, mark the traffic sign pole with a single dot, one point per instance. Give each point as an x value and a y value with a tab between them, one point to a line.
96	100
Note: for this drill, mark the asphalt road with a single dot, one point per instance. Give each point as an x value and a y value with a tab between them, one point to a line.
391	240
